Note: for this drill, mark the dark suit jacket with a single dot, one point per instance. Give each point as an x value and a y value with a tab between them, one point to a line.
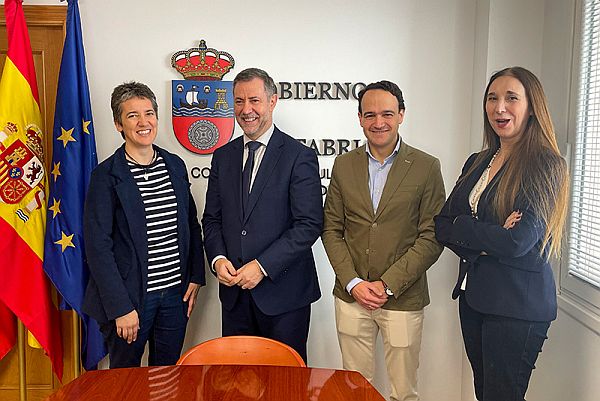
116	242
513	279
284	219
395	244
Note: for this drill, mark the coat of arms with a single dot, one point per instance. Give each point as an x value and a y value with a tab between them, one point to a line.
203	117
21	168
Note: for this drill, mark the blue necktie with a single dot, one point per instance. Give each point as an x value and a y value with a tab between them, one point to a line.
247	172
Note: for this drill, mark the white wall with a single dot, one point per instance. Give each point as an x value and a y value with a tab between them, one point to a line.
440	52
507	33
308	41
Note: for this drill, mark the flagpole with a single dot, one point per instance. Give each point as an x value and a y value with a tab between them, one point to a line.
76	345
22	363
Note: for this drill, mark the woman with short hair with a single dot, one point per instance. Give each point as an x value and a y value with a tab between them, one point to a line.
143	240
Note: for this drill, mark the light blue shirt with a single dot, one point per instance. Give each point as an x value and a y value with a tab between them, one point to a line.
378	173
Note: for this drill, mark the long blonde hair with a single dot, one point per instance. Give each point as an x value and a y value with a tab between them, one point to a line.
535	171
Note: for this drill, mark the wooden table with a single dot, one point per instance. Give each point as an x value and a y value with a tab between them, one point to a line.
218	383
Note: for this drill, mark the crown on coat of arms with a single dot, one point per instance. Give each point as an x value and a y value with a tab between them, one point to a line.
202	63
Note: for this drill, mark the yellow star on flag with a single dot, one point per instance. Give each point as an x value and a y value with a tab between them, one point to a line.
65	241
55	207
85	126
66	136
56	170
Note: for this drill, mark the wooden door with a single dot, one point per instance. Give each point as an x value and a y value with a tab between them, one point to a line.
46	25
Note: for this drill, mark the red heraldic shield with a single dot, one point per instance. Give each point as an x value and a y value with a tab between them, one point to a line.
202	103
20	172
203	114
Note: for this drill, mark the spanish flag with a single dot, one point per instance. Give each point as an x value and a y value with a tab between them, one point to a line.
24	288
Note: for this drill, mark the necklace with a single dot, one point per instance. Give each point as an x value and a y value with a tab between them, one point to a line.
480	186
145	167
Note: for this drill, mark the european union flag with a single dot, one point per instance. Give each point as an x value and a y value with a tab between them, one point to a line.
73	158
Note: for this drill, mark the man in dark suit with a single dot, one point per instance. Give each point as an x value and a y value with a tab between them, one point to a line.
263	213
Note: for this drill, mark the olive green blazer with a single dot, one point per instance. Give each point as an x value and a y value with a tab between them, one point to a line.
397	243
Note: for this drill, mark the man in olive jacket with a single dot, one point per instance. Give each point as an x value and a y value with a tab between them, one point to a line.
379	237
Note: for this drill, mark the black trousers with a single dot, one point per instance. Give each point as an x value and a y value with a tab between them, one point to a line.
502	352
246	318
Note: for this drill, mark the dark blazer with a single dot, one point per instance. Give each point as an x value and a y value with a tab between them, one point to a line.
284	219
116	242
512	279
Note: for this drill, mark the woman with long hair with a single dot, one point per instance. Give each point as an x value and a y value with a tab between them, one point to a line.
504	219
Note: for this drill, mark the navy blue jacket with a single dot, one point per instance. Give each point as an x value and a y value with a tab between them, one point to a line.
116	242
284	219
512	279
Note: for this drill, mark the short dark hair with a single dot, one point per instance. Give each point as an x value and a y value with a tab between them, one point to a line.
129	90
386	86
250	73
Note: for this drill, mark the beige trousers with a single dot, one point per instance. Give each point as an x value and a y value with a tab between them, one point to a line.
401	332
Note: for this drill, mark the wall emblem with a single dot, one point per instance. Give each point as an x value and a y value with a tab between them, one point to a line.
203	117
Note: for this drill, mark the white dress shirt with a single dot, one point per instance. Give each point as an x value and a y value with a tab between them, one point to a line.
258	156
